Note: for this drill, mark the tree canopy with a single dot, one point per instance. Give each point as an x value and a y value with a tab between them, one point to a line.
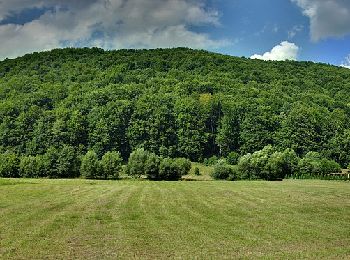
171	102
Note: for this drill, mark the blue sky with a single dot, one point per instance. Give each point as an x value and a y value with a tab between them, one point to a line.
316	30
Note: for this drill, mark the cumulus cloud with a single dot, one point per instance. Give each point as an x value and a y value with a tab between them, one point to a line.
284	51
109	24
346	63
328	18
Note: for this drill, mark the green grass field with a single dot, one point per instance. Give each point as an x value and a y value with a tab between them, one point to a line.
69	219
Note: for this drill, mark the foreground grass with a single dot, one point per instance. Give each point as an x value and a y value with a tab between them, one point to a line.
60	219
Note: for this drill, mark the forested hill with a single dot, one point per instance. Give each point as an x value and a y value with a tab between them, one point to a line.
174	102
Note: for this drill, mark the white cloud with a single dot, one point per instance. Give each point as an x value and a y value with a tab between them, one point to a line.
346	63
107	24
328	18
284	51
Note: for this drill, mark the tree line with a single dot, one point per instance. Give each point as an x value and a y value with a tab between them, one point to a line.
57	106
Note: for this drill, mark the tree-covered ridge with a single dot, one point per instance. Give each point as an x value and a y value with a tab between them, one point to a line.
172	102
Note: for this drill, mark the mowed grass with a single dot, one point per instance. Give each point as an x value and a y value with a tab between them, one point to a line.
81	219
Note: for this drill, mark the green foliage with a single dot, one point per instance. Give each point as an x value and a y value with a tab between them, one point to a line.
339	148
60	162
170	170
268	164
111	165
142	162
232	158
227	137
211	161
57	105
90	166
184	165
151	168
28	167
137	162
33	166
67	162
245	167
222	171
196	171
281	164
9	165
314	165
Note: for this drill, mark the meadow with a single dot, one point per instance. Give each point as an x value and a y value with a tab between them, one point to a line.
87	219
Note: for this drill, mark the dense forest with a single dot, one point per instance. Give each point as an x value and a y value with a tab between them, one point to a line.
61	104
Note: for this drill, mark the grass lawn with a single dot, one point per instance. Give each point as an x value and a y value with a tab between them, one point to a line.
69	219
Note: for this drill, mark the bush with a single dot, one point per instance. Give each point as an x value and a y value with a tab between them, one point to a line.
259	163
329	166
222	171
151	167
232	158
136	163
111	165
9	165
235	174
50	159
267	164
58	163
184	165
281	164
67	164
169	170
29	167
196	171
211	161
314	165
90	167
244	167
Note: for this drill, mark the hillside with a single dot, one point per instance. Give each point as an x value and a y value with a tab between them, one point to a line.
173	102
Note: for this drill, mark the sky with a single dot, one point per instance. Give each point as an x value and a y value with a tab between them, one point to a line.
313	30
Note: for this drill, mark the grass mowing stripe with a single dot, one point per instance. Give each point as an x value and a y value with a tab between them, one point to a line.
75	219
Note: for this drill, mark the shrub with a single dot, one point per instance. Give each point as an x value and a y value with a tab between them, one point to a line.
111	165
222	171
275	166
9	165
329	166
281	164
151	167
232	158
211	161
90	167
136	163
50	159
290	161
267	164
58	163
313	164
169	170
244	167
184	165
29	167
235	174
259	163
196	171
67	164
